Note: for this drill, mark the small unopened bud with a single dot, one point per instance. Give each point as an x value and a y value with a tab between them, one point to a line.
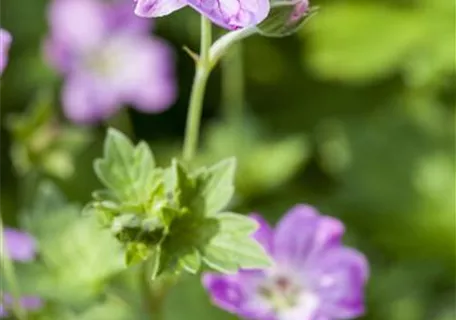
285	17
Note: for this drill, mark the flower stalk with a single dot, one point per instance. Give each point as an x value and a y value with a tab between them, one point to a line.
203	69
210	54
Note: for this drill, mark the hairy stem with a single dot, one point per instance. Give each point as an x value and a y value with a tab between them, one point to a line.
203	69
10	276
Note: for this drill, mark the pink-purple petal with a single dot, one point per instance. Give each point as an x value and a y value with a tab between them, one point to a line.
86	99
30	303
326	278
238	294
328	234
19	246
339	276
157	8
5	43
294	236
232	14
109	61
264	235
66	16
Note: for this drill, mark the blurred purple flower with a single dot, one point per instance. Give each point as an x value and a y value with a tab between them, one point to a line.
108	59
229	14
19	246
314	278
5	42
28	302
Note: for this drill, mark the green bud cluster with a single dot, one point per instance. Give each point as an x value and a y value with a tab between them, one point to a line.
172	216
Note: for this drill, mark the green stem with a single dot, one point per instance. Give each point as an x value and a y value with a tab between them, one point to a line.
154	296
220	46
203	69
155	292
8	271
233	85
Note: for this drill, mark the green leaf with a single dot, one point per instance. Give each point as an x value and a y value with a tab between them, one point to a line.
233	223
233	248
76	256
185	189
127	170
135	253
207	191
191	261
217	185
160	262
168	214
228	254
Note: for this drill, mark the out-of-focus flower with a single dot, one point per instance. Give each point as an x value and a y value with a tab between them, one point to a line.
314	278
229	14
28	303
108	59
5	42
18	245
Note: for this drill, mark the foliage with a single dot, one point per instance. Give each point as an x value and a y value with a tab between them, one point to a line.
172	215
69	270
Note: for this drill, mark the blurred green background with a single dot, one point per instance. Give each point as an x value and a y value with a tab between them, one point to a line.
355	114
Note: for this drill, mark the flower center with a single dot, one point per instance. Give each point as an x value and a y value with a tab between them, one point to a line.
103	62
281	292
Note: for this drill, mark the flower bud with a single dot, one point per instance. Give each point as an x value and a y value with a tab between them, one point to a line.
285	17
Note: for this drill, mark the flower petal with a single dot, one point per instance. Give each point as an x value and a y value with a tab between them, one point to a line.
157	8
293	241
65	17
264	235
31	303
88	100
328	234
145	72
232	14
20	246
5	42
237	294
339	277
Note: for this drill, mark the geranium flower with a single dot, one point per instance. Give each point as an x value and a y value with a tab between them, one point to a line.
229	14
5	42
29	303
315	277
108	59
19	246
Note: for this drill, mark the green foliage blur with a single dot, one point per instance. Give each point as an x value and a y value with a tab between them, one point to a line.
355	115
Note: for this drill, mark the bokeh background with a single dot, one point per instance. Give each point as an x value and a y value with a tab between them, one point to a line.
355	114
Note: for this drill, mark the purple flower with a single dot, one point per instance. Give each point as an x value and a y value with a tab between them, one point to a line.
108	60
19	246
5	42
229	14
28	302
315	277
